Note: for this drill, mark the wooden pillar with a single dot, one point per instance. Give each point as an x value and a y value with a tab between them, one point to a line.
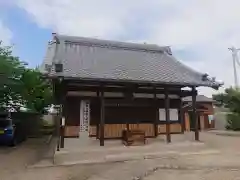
127	125
58	121
167	106
62	127
181	115
156	114
102	121
97	123
194	113
63	110
186	121
63	116
129	98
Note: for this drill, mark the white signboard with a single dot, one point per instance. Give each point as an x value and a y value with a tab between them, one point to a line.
84	116
162	115
173	113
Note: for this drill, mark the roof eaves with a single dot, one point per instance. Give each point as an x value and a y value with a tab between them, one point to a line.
101	80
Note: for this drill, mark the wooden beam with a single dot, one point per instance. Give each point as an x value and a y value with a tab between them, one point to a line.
106	82
127	102
167	105
194	113
156	114
183	93
102	121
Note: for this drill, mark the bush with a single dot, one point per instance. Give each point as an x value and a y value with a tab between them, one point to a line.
233	122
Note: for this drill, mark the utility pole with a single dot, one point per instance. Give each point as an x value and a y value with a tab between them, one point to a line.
235	59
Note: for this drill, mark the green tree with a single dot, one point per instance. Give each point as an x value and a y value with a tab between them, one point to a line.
11	69
37	92
21	86
231	100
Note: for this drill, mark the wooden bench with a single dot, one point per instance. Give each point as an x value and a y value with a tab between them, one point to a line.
133	137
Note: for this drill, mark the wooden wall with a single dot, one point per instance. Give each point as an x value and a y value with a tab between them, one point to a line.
115	130
174	128
141	116
121	114
114	114
209	107
202	115
203	120
72	111
71	131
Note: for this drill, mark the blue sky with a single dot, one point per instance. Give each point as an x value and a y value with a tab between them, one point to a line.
199	32
29	40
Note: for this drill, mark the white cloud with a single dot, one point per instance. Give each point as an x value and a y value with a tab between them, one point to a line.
5	34
204	27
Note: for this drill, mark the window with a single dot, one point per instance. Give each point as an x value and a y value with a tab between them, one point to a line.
173	113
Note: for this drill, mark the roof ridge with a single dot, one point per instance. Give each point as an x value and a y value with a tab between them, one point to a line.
88	41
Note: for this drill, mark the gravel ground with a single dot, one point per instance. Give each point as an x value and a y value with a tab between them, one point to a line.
15	163
15	159
195	175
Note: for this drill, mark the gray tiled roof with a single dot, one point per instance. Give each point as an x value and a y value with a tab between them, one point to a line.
88	58
199	98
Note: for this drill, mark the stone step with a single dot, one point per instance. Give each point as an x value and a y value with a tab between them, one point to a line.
110	157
